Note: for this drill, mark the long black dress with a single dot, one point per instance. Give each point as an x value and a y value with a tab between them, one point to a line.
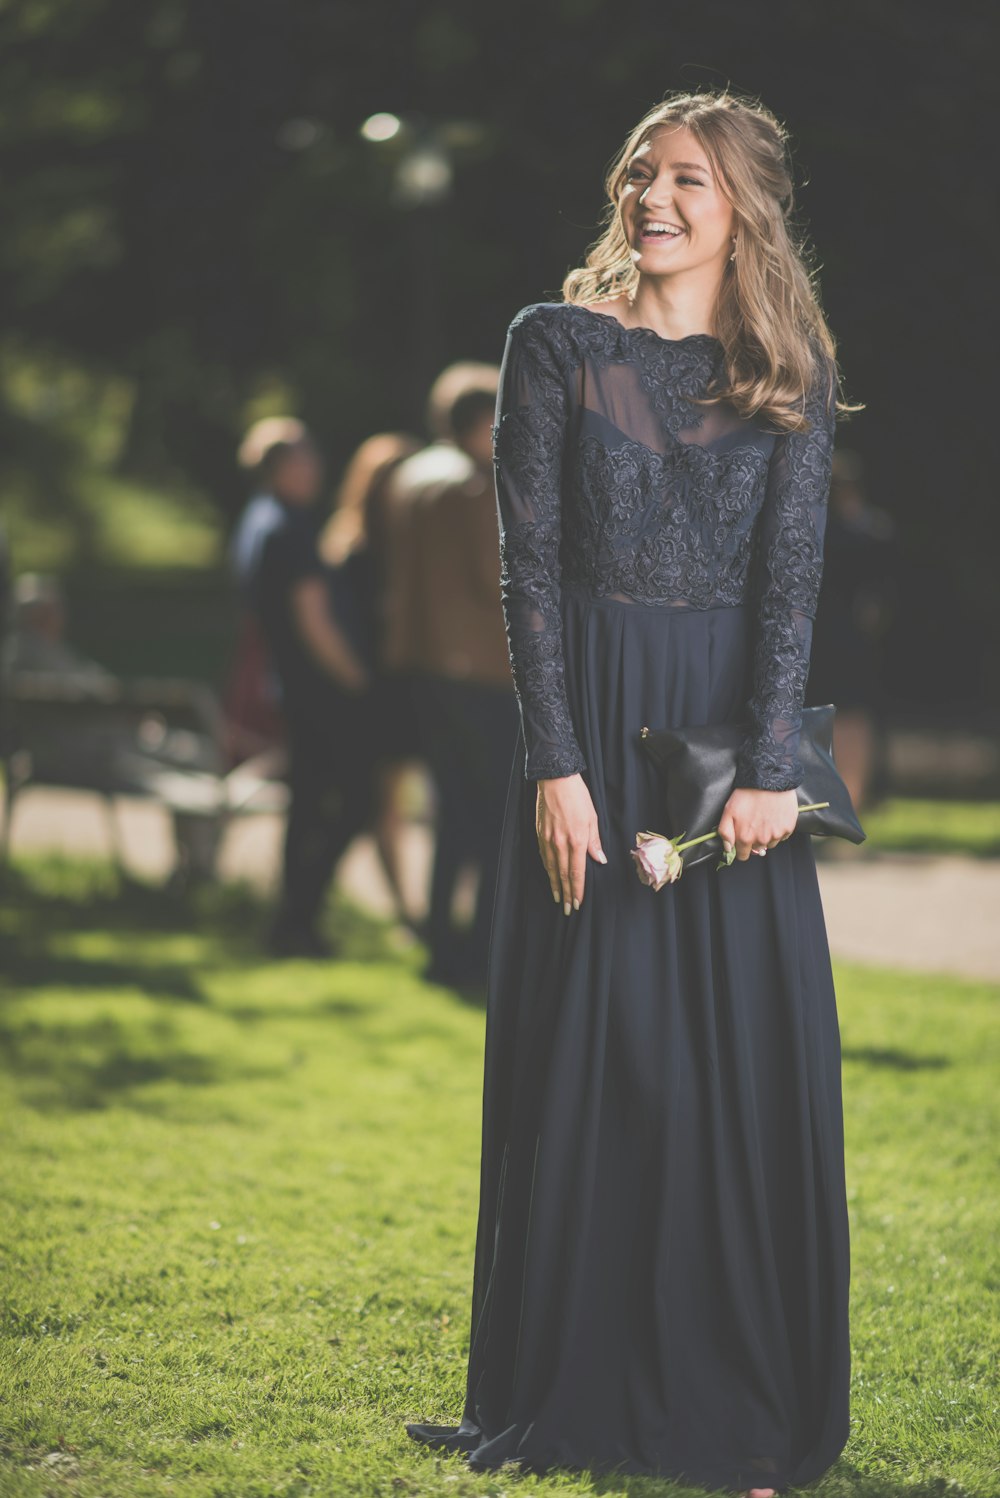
662	1261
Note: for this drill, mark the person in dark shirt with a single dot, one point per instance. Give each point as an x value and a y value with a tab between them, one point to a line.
324	682
354	545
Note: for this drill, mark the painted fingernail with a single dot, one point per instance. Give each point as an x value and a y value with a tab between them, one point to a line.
576	905
566	907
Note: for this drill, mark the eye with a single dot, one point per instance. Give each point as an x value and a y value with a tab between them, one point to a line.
634	172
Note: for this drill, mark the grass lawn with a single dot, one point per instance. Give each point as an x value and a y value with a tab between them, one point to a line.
911	825
239	1200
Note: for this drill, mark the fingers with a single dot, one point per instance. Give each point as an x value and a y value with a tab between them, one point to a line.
564	855
552	869
749	836
562	874
759	842
570	865
731	835
594	847
577	873
565	863
554	849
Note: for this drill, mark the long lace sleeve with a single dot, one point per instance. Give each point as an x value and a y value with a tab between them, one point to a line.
789	569
528	445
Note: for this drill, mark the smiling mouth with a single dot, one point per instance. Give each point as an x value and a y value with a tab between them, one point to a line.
659	231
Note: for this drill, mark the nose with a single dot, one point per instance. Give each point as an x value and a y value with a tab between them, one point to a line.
644	197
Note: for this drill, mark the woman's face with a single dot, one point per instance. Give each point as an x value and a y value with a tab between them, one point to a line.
669	182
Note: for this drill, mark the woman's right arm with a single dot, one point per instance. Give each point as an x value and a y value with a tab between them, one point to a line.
528	445
323	636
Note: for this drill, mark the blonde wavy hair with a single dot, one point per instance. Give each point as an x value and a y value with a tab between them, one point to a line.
769	305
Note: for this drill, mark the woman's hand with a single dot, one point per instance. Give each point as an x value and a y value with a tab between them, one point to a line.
323	637
566	826
754	819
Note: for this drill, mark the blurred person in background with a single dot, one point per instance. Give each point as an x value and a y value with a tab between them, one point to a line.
323	680
855	608
445	624
253	726
38	646
352	546
38	634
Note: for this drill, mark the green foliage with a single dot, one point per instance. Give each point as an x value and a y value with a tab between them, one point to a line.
112	522
239	1202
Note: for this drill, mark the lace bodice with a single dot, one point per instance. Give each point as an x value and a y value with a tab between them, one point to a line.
609	478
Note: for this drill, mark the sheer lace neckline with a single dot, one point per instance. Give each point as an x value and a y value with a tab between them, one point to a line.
647	332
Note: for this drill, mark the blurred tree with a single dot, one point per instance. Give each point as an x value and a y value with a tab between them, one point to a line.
190	208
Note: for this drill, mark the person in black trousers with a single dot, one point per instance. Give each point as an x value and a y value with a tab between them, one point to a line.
445	628
324	681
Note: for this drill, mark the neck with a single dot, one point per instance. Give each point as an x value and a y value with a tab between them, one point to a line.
672	308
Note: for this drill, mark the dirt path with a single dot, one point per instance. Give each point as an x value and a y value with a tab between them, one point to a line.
904	910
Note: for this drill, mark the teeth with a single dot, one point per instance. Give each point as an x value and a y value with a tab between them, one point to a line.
658	228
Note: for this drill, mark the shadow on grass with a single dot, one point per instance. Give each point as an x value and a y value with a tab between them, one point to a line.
38	969
76	930
48	898
249	1014
106	1061
898	1060
60	894
842	1480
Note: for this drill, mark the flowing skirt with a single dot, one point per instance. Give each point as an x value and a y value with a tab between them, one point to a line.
662	1261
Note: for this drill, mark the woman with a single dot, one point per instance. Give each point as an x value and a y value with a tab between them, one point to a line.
662	1264
353	547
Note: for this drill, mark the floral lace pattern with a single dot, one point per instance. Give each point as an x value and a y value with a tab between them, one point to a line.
526	441
694	550
609	477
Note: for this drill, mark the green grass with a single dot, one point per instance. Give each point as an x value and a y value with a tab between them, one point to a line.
239	1199
907	824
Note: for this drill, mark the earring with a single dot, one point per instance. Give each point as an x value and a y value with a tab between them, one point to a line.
733	255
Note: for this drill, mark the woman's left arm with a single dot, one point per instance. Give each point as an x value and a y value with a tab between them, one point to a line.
762	806
790	568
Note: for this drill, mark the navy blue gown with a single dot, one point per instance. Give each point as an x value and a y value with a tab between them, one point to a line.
662	1262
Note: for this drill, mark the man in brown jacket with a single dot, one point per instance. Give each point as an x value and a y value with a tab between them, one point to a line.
445	627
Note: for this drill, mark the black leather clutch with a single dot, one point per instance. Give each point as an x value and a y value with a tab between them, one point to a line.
698	766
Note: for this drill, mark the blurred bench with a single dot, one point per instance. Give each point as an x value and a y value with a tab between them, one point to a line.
160	739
